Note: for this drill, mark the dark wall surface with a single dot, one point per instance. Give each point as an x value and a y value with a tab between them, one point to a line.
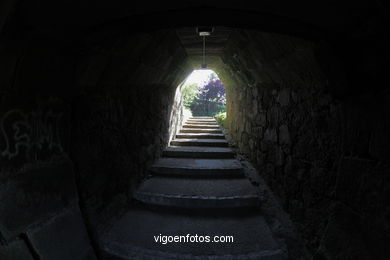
123	114
80	122
88	98
316	136
39	210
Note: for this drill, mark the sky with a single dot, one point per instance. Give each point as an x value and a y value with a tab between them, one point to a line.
198	77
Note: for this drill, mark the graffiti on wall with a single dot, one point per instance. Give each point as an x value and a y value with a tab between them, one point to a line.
30	133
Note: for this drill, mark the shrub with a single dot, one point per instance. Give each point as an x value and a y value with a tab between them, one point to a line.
221	117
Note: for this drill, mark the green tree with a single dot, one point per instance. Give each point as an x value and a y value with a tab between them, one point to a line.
211	98
189	93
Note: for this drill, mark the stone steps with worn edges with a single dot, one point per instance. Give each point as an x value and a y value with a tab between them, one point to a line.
201	126
200	142
200	123
197	167
252	238
202	193
198	152
200	130
200	135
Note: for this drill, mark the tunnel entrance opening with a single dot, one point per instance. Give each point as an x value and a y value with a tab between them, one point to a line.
204	94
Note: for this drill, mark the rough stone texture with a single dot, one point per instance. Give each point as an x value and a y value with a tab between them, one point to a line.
16	250
254	236
85	104
313	149
41	190
127	110
63	237
37	179
319	140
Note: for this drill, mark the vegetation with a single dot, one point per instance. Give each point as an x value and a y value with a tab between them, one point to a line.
189	93
206	100
221	117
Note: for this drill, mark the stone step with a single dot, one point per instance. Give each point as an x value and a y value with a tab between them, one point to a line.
198	193
200	142
200	130
202	120
197	167
201	126
198	152
200	123
201	117
252	238
201	136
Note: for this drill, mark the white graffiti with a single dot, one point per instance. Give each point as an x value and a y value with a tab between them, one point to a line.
31	131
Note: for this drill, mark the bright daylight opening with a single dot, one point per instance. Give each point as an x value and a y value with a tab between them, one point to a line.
204	95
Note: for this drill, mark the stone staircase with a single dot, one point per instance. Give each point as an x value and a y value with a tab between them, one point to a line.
196	188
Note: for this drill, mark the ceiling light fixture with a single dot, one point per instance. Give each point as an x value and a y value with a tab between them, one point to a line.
203	32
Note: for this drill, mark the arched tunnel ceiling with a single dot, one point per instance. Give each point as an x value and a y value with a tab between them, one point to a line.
66	16
193	43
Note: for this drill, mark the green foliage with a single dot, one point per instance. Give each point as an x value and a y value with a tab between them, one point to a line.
201	107
221	117
206	100
189	93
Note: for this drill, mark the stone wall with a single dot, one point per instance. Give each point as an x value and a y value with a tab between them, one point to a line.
85	111
128	108
39	209
177	115
81	120
319	154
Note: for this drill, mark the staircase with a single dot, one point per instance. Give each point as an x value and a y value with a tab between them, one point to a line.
196	188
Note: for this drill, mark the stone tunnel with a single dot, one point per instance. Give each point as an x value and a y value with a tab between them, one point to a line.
90	97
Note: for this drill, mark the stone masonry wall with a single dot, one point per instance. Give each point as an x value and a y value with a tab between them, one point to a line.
80	121
129	106
39	200
316	152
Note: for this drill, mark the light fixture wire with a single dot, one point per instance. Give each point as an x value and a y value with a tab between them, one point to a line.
204	50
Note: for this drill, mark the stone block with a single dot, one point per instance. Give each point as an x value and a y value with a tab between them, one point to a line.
63	237
248	126
266	99
284	135
270	135
264	146
261	119
257	132
33	193
344	237
244	138
17	250
255	92
283	97
251	144
288	165
275	155
273	116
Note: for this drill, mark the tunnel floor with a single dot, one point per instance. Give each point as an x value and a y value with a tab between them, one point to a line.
201	192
